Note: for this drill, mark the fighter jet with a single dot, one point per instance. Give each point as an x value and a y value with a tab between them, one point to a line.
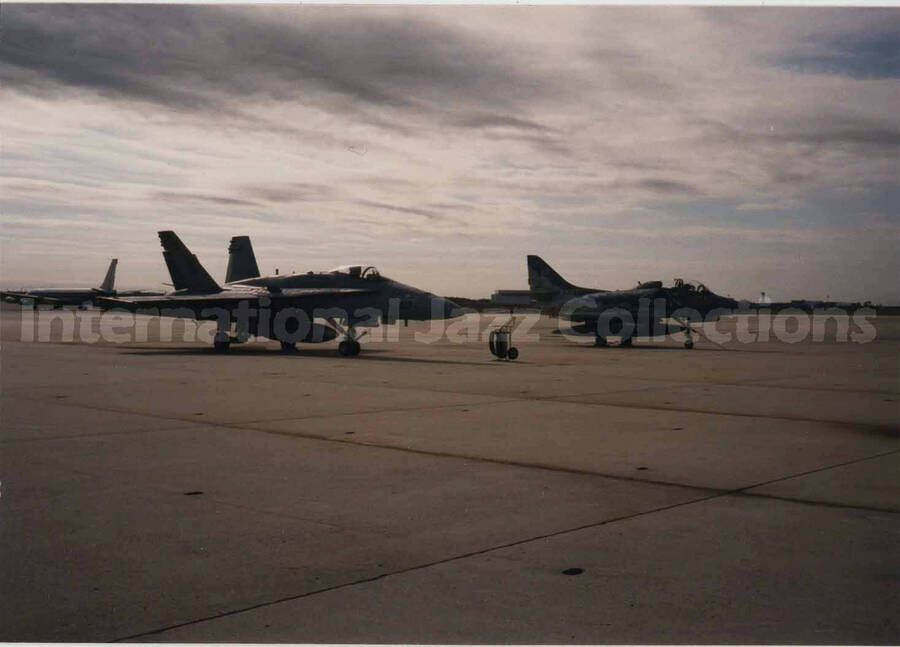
652	308
285	308
59	297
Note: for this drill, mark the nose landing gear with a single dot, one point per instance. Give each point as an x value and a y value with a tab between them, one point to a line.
350	346
688	333
688	338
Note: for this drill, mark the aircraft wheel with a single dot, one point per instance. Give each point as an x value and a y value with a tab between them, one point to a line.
600	342
689	344
355	348
221	346
627	342
288	347
512	353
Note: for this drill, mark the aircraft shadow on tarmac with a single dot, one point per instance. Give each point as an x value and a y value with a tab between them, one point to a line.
749	348
368	355
643	347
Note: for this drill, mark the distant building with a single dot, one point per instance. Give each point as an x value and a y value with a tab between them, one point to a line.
511	298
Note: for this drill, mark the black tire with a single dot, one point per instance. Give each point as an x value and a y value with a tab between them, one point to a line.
221	346
600	342
512	353
627	342
345	348
689	344
288	347
355	348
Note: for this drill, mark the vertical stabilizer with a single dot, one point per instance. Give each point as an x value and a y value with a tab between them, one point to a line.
241	260
186	271
109	281
543	277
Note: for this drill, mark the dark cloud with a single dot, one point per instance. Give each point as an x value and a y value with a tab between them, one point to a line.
424	213
291	192
861	135
668	187
450	206
500	121
209	58
179	198
868	57
831	131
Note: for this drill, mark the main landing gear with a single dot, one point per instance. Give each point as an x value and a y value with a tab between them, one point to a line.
223	339
600	342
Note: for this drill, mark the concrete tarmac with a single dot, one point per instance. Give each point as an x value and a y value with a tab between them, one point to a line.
425	492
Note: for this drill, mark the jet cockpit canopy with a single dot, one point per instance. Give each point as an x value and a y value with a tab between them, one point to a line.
688	285
369	272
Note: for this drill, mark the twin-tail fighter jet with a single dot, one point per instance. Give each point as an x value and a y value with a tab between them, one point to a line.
284	308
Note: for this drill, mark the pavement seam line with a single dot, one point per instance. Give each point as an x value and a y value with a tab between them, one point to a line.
158	416
484	551
12	441
892	430
616	477
416	567
247	426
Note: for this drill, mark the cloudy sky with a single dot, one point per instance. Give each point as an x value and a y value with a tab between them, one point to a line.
752	149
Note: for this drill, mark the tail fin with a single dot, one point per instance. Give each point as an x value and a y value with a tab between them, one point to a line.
109	281
543	277
184	268
241	260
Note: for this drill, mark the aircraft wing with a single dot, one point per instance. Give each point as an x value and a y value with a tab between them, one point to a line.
139	293
20	297
592	305
303	298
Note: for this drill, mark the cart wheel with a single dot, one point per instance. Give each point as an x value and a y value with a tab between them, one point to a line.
512	353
